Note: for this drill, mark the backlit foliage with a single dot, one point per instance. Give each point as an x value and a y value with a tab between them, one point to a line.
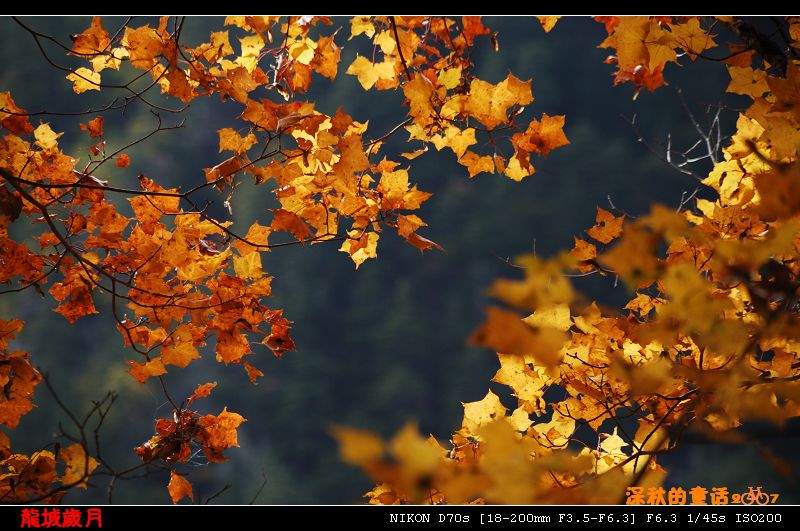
178	278
707	339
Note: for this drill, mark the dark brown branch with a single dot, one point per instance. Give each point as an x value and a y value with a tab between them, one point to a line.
762	44
400	49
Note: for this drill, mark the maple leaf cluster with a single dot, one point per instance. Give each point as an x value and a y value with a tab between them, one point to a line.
707	341
177	277
448	107
174	439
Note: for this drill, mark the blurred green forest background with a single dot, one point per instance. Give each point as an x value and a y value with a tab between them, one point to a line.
385	344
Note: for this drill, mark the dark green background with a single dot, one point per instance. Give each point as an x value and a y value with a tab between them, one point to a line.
385	344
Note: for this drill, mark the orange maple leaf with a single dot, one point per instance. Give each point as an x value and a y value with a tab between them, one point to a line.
179	487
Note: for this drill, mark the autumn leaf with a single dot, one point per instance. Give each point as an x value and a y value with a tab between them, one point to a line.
419	91
490	103
94	127
278	340
75	297
18	379
46	138
143	45
79	465
586	255
12	117
747	81
222	174
692	38
369	73
556	316
520	419
542	136
290	222
706	340
92	41
625	259
627	36
543	285
548	23
179	488
8	331
326	59
230	140
202	390
608	226
422	243
359	25
408	225
84	79
219	433
643	304
253	374
477	164
418	457
142	371
360	246
248	266
483	412
358	447
5	446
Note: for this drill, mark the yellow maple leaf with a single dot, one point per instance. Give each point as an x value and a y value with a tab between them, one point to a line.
248	266
660	46
692	38
408	224
358	447
251	50
628	38
419	92
79	465
230	140
386	42
449	78
362	24
394	185
555	316
557	431
517	168
490	103
520	419
179	349
608	226
84	79
360	246
143	45
416	455
303	51
747	81
456	139
46	138
548	22
543	285
369	73
483	412
477	164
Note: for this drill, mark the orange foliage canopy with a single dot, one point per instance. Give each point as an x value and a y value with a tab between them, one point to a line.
715	283
179	278
707	341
